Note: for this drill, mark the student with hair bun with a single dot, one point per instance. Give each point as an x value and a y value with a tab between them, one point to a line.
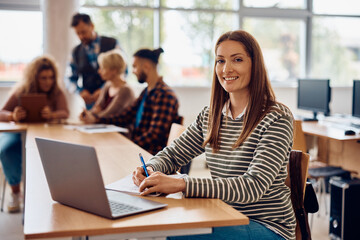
116	95
150	117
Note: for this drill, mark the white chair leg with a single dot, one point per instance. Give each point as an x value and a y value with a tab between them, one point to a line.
3	194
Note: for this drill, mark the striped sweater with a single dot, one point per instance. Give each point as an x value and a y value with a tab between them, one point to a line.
251	177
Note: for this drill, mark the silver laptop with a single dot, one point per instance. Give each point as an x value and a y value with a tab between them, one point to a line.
74	178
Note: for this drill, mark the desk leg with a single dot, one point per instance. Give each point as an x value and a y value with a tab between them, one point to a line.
23	153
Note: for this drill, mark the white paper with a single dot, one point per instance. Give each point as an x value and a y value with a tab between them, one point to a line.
127	185
96	128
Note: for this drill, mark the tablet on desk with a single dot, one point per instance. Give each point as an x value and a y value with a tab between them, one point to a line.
33	103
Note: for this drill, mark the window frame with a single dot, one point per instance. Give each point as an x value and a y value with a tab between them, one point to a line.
18	5
242	11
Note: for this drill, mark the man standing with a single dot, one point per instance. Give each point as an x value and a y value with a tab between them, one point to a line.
150	117
84	58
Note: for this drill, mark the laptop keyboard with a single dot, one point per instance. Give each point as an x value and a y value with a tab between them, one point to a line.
120	208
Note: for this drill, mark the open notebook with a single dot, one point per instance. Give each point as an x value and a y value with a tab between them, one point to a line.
96	128
127	185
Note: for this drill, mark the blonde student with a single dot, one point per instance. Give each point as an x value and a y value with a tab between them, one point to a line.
40	77
247	138
116	95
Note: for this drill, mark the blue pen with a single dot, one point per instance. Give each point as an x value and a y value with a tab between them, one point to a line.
143	163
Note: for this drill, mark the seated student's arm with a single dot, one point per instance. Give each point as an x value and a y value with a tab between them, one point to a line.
122	100
61	111
270	157
99	101
167	161
182	150
125	118
11	111
96	94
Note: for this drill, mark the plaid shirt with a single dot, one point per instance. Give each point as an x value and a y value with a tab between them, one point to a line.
160	111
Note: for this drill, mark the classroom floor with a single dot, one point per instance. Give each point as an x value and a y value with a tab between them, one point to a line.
11	227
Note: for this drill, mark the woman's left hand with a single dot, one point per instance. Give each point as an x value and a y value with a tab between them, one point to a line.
46	113
160	182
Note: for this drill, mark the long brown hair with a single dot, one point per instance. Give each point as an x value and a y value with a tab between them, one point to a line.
30	82
261	99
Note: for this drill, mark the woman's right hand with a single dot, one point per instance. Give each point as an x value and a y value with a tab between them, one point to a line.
139	174
18	114
87	117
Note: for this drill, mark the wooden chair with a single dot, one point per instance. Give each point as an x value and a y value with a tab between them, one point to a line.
299	141
175	131
296	181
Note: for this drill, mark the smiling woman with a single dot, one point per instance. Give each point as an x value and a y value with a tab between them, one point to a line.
233	69
246	136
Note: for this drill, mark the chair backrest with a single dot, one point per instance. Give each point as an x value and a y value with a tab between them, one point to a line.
296	180
304	167
299	141
175	131
179	119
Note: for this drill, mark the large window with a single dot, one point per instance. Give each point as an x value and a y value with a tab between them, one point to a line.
336	49
188	40
299	38
21	41
134	28
282	43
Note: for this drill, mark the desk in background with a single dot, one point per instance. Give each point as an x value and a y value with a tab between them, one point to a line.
334	147
117	156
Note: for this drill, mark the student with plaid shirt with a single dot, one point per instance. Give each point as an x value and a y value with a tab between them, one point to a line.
84	58
150	117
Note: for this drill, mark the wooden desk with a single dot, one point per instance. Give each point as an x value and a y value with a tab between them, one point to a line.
320	129
45	218
12	127
334	147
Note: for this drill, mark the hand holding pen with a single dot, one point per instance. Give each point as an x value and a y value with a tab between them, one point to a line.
143	165
142	172
151	182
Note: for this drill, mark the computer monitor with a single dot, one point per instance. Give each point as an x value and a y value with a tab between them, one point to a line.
356	99
314	95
